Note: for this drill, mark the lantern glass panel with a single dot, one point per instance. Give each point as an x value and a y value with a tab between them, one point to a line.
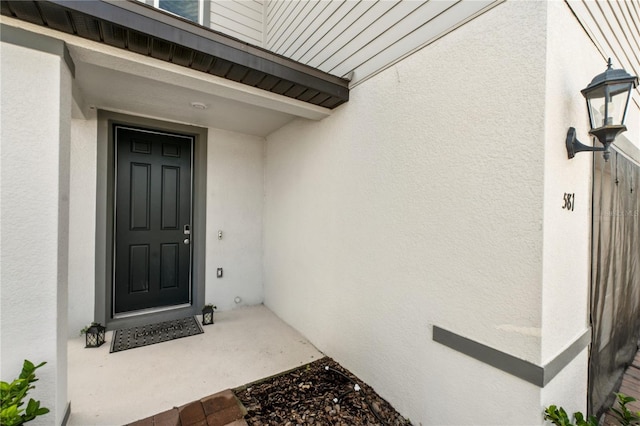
92	339
621	100
608	104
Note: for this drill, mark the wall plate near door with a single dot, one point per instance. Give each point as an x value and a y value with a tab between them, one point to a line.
219	273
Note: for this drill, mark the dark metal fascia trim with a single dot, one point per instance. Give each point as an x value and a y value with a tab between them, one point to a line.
20	37
525	370
148	20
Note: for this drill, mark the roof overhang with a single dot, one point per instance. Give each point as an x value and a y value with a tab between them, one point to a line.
133	26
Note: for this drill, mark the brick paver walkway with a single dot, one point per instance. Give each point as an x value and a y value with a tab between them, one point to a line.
220	409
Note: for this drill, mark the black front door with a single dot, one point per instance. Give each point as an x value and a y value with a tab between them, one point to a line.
152	219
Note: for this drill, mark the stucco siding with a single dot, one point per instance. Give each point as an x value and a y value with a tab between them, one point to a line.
82	216
567	244
235	194
36	110
567	233
420	203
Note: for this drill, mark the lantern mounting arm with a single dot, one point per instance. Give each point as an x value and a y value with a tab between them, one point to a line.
606	135
574	145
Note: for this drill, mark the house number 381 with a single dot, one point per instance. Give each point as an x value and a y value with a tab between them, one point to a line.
569	201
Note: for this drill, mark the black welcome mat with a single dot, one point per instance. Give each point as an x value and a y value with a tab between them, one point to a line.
149	334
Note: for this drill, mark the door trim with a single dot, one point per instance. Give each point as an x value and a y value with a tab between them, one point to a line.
105	208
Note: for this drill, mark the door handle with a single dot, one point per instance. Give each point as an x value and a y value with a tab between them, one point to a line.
186	241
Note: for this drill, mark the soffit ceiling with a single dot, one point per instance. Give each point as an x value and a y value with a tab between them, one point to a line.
156	97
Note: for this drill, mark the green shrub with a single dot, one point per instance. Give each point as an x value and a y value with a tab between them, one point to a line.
12	394
559	417
623	413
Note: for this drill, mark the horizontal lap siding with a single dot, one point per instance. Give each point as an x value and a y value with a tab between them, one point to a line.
343	30
433	20
370	40
242	19
341	36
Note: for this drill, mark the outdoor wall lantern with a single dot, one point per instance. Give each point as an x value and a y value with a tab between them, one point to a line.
207	314
608	97
95	335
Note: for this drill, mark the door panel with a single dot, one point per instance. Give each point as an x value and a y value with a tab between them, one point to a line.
152	266
170	265
140	196
170	197
139	268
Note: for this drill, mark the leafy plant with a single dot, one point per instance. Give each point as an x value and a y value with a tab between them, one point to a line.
12	395
626	416
559	417
209	305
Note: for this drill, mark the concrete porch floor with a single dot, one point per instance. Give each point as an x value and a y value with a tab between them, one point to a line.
243	345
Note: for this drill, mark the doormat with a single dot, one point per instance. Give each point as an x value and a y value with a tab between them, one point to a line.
150	334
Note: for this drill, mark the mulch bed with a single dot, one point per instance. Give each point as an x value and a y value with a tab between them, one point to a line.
313	395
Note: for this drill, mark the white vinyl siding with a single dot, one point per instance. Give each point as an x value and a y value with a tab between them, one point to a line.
361	36
242	19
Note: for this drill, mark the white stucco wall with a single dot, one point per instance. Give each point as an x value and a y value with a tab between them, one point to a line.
567	263
567	244
235	193
421	203
36	109
82	217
